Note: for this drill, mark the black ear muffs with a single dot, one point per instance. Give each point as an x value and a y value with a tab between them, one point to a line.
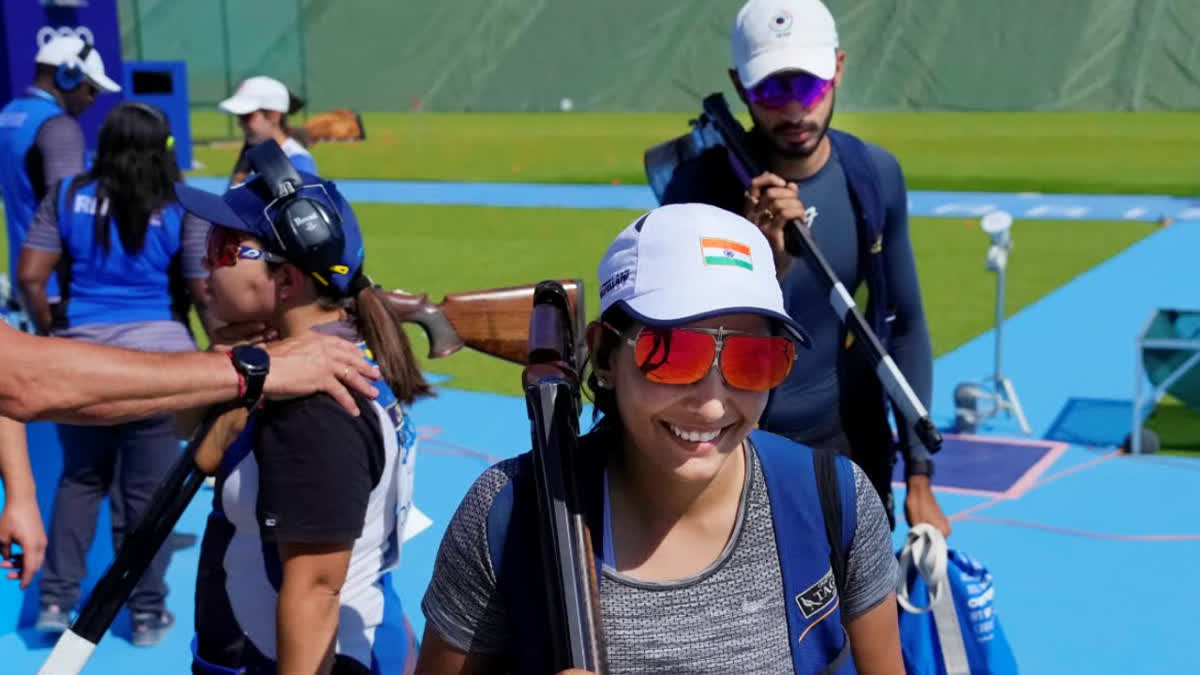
68	76
307	232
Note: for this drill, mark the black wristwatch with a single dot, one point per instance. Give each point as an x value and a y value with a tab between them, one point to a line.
253	364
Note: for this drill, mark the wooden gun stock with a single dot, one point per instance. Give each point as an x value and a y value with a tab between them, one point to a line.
493	321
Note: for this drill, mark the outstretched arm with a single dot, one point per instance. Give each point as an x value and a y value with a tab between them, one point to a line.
77	382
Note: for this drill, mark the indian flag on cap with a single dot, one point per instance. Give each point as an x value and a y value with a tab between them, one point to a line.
725	252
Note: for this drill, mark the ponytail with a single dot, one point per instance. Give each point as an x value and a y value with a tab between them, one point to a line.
295	105
380	327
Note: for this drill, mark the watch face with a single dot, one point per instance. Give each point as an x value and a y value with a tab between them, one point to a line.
252	358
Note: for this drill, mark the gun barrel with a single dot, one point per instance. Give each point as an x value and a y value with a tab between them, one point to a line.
552	398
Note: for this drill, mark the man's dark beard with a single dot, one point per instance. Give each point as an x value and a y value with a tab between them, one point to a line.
789	152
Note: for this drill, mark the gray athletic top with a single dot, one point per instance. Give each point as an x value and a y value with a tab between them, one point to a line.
61	145
729	618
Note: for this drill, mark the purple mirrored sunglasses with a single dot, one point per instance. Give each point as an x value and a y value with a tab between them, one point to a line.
776	91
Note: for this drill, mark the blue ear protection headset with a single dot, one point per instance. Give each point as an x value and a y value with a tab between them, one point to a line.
69	77
306	232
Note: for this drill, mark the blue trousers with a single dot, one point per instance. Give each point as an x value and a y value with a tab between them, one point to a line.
130	459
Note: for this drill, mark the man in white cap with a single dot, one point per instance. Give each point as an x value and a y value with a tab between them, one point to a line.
40	140
851	194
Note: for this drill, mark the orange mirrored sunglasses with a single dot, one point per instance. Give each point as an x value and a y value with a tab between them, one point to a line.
685	355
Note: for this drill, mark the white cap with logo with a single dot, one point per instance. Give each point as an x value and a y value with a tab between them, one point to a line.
72	51
258	93
685	262
774	35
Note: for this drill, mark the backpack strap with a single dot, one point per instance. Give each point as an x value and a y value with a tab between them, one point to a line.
825	469
864	404
863	181
794	487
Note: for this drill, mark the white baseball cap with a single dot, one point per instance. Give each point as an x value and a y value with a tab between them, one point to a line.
258	93
685	262
774	35
67	50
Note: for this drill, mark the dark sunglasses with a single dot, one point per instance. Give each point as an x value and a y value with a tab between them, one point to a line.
225	248
777	91
686	355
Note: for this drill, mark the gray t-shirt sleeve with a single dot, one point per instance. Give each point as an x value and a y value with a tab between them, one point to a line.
462	602
194	242
60	142
43	232
872	568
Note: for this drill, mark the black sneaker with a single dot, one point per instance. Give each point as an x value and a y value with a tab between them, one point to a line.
150	628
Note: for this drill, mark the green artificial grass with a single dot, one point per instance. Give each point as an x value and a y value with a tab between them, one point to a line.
1177	426
443	249
446	249
1101	152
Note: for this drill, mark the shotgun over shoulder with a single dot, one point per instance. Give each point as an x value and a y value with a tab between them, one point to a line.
494	321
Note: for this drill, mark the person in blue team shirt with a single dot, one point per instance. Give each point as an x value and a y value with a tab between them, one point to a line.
117	233
40	140
310	503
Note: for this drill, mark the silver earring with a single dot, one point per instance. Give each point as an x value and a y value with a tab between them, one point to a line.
602	382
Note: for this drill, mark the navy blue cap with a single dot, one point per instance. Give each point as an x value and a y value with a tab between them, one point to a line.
243	208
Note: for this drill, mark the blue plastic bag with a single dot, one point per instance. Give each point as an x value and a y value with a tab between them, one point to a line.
957	631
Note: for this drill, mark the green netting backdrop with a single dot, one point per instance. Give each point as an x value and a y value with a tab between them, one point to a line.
646	55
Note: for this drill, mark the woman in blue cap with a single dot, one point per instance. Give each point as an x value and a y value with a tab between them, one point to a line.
710	536
119	232
262	105
310	501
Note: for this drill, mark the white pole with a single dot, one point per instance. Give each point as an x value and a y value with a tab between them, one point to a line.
69	656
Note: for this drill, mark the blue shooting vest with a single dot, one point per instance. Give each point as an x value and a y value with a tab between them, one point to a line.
863	181
20	122
864	403
818	642
116	286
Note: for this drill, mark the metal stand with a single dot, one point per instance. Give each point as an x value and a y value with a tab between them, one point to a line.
1139	438
998	390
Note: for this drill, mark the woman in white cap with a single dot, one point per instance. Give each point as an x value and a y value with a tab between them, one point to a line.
262	105
711	539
